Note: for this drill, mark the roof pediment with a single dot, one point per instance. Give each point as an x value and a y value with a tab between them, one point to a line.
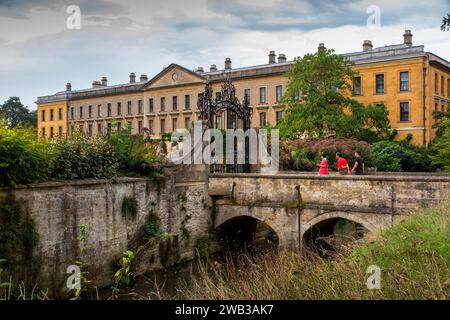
174	75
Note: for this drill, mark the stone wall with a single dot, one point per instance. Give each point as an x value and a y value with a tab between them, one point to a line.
60	208
292	203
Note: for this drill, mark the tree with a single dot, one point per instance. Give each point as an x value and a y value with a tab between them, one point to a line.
445	23
442	147
16	113
317	101
439	117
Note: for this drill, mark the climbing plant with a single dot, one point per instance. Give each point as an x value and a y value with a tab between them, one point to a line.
129	207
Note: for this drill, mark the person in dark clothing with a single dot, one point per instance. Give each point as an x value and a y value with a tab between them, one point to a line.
358	168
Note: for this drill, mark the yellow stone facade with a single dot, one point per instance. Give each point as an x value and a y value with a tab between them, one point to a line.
169	100
52	119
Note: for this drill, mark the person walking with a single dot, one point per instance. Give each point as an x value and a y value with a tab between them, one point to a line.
358	168
342	165
323	165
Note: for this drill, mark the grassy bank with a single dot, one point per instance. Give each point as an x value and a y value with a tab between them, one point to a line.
414	258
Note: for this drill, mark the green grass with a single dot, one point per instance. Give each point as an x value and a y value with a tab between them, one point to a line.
414	258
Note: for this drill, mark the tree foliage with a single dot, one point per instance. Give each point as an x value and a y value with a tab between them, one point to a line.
445	23
442	147
317	101
16	113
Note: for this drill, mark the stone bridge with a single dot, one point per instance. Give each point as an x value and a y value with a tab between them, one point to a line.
292	204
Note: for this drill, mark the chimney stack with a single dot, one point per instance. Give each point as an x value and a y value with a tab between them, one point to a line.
132	77
228	64
408	38
200	70
213	68
96	84
272	57
367	45
68	87
282	58
104	81
321	47
143	78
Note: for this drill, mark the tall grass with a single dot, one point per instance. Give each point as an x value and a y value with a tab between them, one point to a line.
414	258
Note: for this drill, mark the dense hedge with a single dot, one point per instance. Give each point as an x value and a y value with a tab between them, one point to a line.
25	159
304	154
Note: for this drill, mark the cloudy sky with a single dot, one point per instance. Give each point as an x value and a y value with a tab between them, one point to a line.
39	53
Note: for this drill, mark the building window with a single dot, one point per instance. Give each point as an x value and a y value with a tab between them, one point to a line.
43	132
262	95
129	107
99	129
119	108
404	81
109	128
279	93
90	111
129	126
90	130
404	111
72	113
218	96
81	112
279	116
163	126
357	86
150	125
51	132
163	104
60	133
247	92
436	83
262	119
151	105
119	126
99	111
174	103
139	127
187	101
187	122
43	115
199	96
174	124
379	83
140	111
109	111
52	114
442	86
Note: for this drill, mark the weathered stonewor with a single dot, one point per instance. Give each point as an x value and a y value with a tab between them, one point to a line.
293	203
60	208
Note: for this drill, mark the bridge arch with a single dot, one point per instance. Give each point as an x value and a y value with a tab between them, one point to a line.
340	225
247	230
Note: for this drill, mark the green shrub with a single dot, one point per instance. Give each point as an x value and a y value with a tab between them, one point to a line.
23	158
441	147
203	246
395	156
135	156
151	228
81	157
129	207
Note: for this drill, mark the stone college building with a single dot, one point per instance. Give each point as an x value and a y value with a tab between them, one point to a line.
411	82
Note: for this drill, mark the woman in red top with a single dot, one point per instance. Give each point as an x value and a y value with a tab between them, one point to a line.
323	165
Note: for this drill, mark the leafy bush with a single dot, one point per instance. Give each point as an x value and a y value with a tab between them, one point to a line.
81	157
304	154
135	156
151	228
397	156
441	147
23	158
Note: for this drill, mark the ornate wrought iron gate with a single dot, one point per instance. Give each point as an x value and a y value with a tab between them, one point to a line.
225	111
